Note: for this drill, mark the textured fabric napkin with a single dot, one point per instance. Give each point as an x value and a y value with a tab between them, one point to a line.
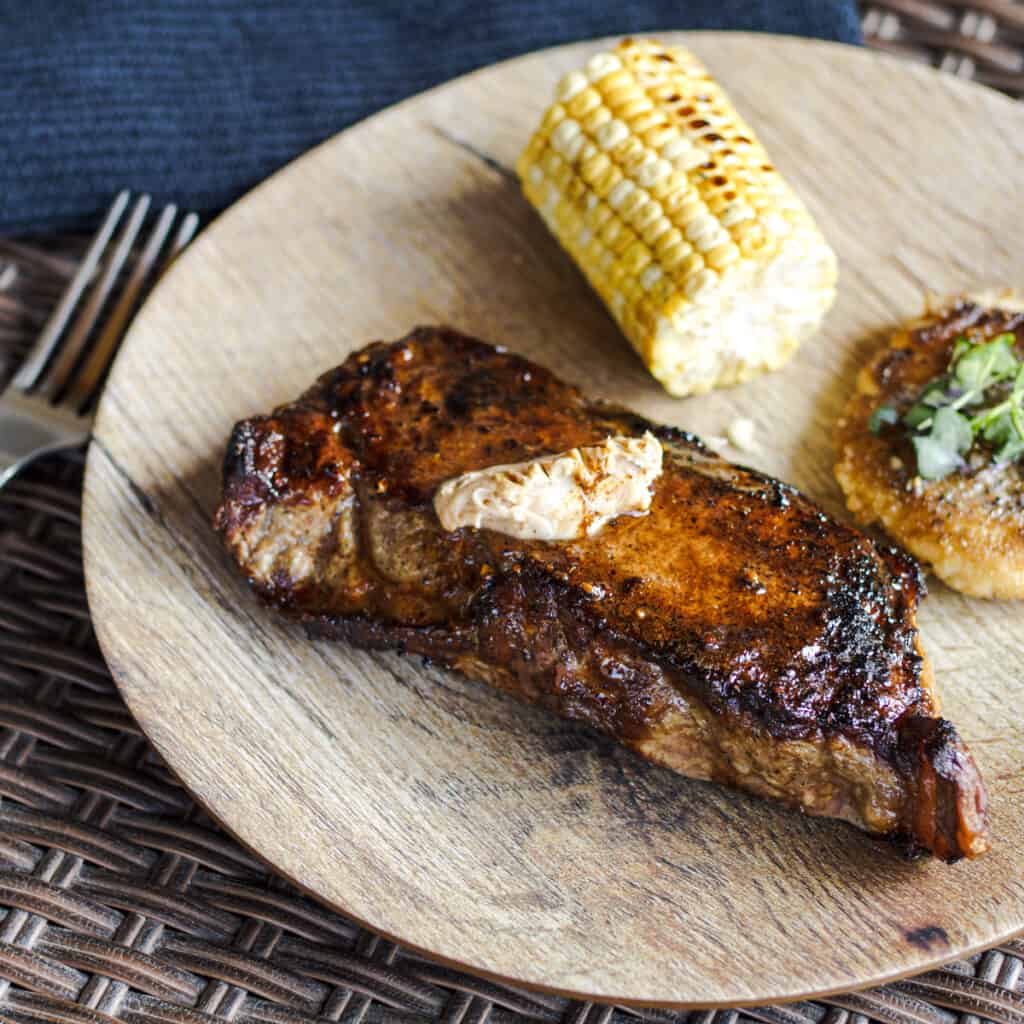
197	100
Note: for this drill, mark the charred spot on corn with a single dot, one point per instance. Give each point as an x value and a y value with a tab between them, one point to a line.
660	192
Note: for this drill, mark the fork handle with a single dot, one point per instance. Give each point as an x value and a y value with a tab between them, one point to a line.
24	436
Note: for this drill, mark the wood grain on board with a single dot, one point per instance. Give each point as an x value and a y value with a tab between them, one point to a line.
431	808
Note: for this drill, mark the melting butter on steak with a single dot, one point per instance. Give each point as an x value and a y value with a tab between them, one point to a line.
555	497
735	632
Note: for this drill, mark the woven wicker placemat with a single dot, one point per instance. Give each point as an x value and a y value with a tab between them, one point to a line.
978	39
121	900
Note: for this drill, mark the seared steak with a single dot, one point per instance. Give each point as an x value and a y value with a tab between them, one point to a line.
734	633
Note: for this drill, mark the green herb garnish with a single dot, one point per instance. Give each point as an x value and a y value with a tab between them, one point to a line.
979	398
882	416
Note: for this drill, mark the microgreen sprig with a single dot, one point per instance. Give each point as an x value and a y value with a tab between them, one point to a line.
980	396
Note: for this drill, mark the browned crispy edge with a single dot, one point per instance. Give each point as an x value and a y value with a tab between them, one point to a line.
945	809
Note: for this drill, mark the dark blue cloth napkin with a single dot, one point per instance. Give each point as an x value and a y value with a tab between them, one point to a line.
197	100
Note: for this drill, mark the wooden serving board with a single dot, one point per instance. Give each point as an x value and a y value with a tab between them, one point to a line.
433	809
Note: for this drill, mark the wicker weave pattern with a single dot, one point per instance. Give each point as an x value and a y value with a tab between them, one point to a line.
979	39
121	900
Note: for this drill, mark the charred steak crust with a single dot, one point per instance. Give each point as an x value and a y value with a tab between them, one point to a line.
736	598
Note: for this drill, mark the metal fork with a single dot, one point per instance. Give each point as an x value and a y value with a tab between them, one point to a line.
51	400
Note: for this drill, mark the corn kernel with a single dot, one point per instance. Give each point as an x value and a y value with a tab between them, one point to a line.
583	103
620	193
612	134
699	283
601	65
722	255
554	115
571	85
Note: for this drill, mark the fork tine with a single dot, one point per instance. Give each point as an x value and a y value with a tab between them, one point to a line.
105	348
71	348
27	375
182	238
86	382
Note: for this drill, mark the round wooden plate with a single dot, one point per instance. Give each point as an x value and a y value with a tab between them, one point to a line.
435	810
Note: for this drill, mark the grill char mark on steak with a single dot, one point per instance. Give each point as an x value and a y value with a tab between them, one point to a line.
737	611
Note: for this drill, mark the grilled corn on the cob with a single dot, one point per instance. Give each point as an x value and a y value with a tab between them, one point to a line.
646	174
